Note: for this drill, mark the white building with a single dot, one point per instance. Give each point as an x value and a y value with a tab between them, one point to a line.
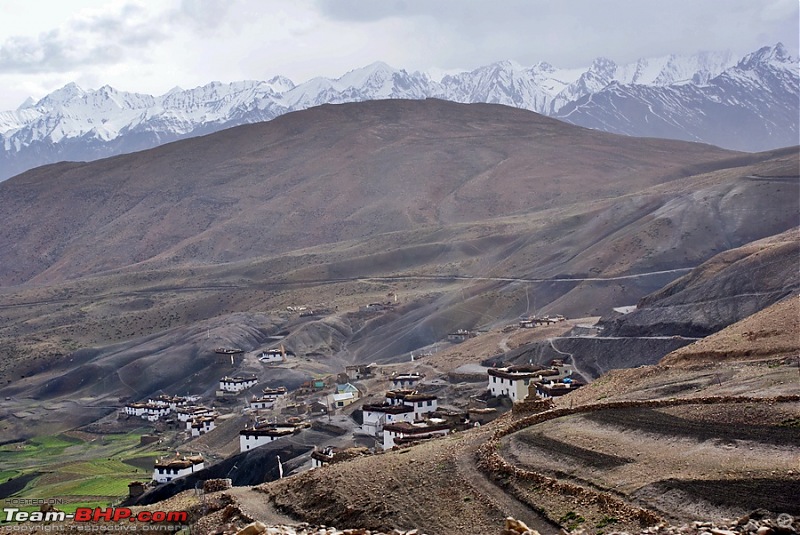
262	402
399	433
253	437
406	380
513	381
202	425
173	467
136	409
377	416
553	389
272	355
154	412
275	392
187	414
237	384
396	397
421	403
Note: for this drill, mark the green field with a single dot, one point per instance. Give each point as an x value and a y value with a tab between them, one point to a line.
77	472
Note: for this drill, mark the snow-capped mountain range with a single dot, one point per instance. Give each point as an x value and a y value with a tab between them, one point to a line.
748	103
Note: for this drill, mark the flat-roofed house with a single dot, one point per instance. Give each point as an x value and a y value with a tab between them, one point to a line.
376	416
187	414
404	432
202	425
168	468
237	384
405	380
258	435
513	381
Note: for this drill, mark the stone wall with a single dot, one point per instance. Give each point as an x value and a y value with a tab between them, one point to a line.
494	465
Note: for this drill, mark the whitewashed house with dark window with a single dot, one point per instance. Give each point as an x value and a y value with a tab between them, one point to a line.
237	384
169	468
404	432
255	436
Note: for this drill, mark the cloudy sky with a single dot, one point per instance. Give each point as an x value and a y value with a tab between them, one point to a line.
153	45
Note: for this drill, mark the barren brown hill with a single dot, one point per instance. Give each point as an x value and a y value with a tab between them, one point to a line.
503	212
728	287
773	332
323	175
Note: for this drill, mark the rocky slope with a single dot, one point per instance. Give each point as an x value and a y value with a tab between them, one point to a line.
728	287
587	478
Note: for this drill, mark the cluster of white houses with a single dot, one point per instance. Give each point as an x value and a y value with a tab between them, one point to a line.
198	419
155	408
405	413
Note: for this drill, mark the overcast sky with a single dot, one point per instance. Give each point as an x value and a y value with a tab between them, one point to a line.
151	46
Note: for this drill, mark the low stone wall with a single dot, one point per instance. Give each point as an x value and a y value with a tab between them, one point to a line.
493	464
532	406
216	485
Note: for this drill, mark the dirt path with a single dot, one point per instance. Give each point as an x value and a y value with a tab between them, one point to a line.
503	501
578	371
503	344
256	505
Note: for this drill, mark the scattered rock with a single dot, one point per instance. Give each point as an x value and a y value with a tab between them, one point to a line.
517	527
252	529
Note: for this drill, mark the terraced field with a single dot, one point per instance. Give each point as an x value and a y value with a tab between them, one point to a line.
87	471
685	463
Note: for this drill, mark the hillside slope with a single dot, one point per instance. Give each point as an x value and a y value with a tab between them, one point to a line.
728	287
332	173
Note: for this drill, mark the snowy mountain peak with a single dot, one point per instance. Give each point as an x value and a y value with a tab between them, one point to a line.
769	55
65	94
603	67
107	121
509	65
280	84
543	67
29	103
374	71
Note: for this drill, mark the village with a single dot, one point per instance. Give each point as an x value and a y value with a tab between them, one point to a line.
384	406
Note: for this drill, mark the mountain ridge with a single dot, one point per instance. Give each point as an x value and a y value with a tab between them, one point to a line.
73	124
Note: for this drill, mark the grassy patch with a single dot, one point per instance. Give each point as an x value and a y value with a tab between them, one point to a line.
105	485
606	520
97	467
6	474
571	520
94	472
